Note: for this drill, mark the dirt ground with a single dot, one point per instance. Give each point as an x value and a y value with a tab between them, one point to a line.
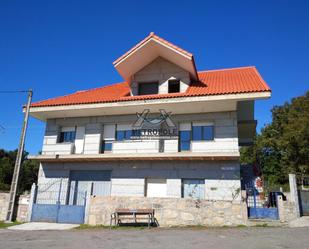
220	238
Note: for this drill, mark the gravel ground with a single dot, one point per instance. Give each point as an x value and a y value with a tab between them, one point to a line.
221	238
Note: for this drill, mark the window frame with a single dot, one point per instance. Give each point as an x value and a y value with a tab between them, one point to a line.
144	83
203	132
127	135
103	146
170	85
62	137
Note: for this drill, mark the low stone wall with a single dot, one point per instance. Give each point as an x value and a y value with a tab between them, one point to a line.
172	211
287	209
4	204
22	208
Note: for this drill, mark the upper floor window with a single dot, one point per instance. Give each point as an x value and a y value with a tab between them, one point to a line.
108	138
123	135
184	140
148	88
203	133
173	86
67	137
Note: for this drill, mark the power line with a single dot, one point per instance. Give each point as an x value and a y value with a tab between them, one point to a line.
17	91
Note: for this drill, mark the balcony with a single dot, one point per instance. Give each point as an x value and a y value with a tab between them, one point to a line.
58	149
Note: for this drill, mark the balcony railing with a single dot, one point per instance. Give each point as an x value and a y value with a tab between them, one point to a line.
58	149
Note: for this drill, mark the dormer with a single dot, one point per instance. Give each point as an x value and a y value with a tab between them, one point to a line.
155	66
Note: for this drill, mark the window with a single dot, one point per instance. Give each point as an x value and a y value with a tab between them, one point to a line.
173	86
148	88
67	136
156	188
107	146
203	133
123	135
184	140
193	188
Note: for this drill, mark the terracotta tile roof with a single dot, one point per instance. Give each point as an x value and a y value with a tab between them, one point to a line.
212	82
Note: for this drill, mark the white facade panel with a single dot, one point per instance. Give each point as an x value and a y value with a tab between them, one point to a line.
124	127
218	145
173	188
72	128
79	139
109	132
127	187
156	188
185	126
170	146
147	146
222	189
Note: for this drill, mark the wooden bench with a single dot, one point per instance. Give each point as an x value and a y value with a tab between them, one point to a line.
132	214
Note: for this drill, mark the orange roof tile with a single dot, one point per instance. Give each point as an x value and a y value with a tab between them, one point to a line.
212	82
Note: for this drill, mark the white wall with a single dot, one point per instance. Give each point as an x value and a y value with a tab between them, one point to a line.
222	179
98	128
161	70
93	138
147	146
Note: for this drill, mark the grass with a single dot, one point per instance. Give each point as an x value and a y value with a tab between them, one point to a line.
5	225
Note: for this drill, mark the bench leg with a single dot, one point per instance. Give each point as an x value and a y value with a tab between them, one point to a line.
111	221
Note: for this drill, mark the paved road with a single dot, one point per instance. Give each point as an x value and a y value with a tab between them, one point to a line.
235	238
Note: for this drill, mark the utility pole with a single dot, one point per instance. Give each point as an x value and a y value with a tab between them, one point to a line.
19	156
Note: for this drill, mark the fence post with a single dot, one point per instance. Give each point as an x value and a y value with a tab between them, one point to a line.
294	193
31	201
280	207
87	203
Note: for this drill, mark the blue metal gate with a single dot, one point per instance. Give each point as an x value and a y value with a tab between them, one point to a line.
258	208
52	205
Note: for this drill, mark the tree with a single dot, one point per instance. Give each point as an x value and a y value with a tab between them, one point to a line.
282	147
28	171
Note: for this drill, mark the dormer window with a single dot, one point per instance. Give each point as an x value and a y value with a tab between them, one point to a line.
173	86
148	88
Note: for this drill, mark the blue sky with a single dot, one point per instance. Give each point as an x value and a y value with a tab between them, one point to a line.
58	47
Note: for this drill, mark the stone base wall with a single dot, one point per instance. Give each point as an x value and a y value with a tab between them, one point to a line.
171	211
287	209
22	208
4	204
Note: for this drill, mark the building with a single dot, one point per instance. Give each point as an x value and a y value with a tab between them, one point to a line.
167	137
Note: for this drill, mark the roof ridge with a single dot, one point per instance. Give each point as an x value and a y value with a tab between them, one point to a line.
152	35
226	69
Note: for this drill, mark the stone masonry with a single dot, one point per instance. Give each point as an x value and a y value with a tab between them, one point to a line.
172	211
4	203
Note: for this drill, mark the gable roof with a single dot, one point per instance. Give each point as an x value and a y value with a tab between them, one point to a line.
149	49
211	82
151	35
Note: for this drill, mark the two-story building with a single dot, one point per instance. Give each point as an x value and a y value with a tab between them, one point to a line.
167	137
